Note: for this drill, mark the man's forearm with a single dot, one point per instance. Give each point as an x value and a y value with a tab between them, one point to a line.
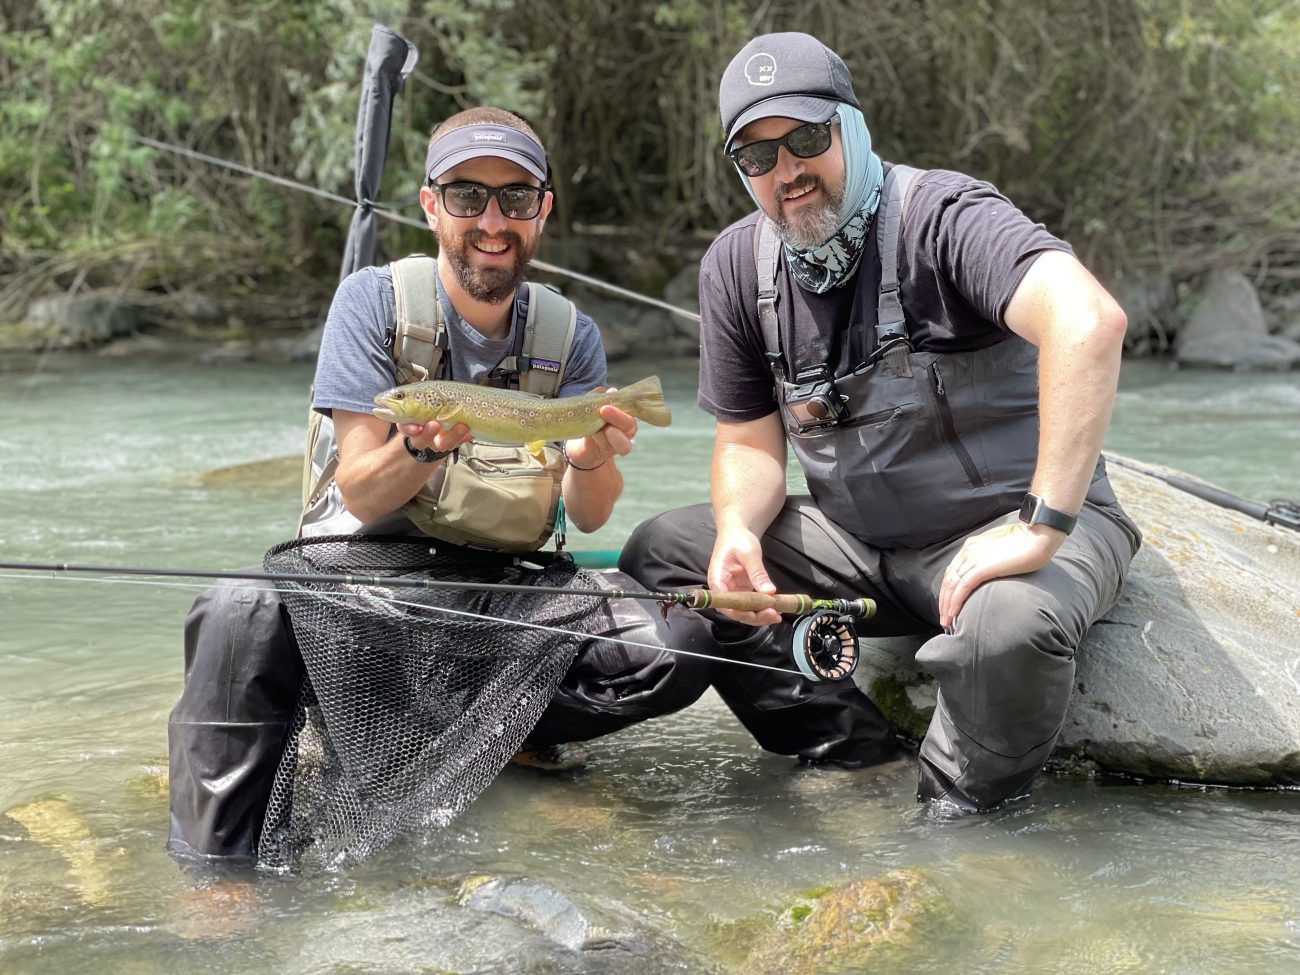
1077	384
1079	331
747	485
379	481
589	495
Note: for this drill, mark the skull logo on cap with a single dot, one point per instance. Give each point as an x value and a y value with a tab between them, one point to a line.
760	69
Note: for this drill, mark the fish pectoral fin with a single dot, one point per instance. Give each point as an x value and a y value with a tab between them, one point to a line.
538	449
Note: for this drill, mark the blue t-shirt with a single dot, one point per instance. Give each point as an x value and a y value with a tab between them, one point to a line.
356	360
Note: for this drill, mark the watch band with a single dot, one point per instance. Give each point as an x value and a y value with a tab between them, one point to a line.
1034	512
426	456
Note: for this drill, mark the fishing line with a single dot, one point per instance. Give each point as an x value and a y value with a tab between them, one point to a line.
789	603
399	218
394	601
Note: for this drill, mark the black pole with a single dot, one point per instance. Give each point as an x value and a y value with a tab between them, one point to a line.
1284	514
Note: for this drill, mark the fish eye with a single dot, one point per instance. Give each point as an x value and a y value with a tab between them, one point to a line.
399	395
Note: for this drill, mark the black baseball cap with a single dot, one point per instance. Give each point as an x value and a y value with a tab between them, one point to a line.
791	75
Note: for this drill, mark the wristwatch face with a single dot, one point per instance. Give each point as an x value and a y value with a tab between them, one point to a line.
1029	508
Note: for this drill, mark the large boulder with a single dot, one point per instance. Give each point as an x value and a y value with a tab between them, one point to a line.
1228	330
1194	675
82	320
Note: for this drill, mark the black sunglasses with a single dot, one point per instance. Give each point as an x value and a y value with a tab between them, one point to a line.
757	158
518	201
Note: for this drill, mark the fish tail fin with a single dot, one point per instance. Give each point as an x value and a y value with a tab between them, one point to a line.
644	400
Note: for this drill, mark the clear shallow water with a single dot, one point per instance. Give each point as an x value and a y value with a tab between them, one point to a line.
678	835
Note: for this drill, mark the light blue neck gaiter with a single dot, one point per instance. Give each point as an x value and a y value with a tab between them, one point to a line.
831	263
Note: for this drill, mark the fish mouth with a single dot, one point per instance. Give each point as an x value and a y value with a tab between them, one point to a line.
384	408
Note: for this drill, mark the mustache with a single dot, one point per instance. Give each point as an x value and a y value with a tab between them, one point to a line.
806	181
507	237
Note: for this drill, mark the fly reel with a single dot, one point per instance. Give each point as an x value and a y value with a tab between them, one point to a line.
825	646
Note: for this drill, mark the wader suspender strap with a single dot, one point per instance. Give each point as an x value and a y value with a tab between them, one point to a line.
766	251
421	336
548	333
891	323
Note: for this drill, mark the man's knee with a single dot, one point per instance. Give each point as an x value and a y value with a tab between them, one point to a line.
681	537
241	661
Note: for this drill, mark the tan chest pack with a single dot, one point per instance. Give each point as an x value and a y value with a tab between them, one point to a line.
487	495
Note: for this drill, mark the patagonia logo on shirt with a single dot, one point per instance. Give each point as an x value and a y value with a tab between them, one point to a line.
545	365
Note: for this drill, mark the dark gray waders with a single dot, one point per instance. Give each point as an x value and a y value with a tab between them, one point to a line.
906	457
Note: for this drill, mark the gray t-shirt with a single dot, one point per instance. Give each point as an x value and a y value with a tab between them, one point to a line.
356	357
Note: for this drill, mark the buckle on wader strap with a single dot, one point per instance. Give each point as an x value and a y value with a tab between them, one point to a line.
892	342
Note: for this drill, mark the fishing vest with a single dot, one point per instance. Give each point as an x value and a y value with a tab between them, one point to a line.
911	448
485	495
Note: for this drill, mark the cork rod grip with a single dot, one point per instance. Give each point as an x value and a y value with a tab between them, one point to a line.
750	602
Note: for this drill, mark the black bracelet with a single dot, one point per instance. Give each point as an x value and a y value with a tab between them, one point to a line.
426	456
565	451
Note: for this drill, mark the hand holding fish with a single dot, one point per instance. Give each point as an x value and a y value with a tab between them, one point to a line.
432	434
614	439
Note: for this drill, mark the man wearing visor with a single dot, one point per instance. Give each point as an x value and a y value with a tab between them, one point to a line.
944	369
486	198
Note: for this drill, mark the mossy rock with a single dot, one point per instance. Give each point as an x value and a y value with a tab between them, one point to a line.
855	926
890	695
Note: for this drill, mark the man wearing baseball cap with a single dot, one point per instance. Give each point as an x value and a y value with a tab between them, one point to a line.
944	369
486	196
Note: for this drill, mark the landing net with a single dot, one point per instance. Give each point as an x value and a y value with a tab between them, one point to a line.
409	709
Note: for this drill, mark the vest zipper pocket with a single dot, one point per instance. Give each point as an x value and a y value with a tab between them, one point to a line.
950	430
879	418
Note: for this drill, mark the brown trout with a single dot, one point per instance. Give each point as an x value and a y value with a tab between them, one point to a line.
510	417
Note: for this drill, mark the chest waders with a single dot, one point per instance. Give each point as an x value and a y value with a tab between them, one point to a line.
910	448
486	495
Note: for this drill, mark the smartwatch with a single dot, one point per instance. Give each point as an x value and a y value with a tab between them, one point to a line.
426	456
1034	512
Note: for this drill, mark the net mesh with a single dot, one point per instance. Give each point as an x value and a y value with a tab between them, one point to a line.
413	700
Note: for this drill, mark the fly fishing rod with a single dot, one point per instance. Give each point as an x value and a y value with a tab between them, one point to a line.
1280	512
825	643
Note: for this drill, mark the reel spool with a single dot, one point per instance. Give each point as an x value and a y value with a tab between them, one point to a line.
825	646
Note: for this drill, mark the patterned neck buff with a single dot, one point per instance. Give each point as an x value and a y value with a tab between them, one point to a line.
831	263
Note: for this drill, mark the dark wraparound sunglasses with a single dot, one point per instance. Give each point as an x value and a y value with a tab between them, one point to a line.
518	201
757	158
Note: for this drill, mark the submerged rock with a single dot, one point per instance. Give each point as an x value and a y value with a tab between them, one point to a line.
273	474
491	925
854	927
1194	675
55	823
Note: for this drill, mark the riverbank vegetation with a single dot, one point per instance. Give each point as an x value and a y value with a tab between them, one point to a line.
1153	134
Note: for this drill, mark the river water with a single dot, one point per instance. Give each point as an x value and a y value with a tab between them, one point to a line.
684	842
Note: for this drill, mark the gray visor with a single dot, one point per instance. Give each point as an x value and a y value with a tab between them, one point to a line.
475	141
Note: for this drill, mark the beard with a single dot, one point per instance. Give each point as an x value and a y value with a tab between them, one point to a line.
491	285
809	226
